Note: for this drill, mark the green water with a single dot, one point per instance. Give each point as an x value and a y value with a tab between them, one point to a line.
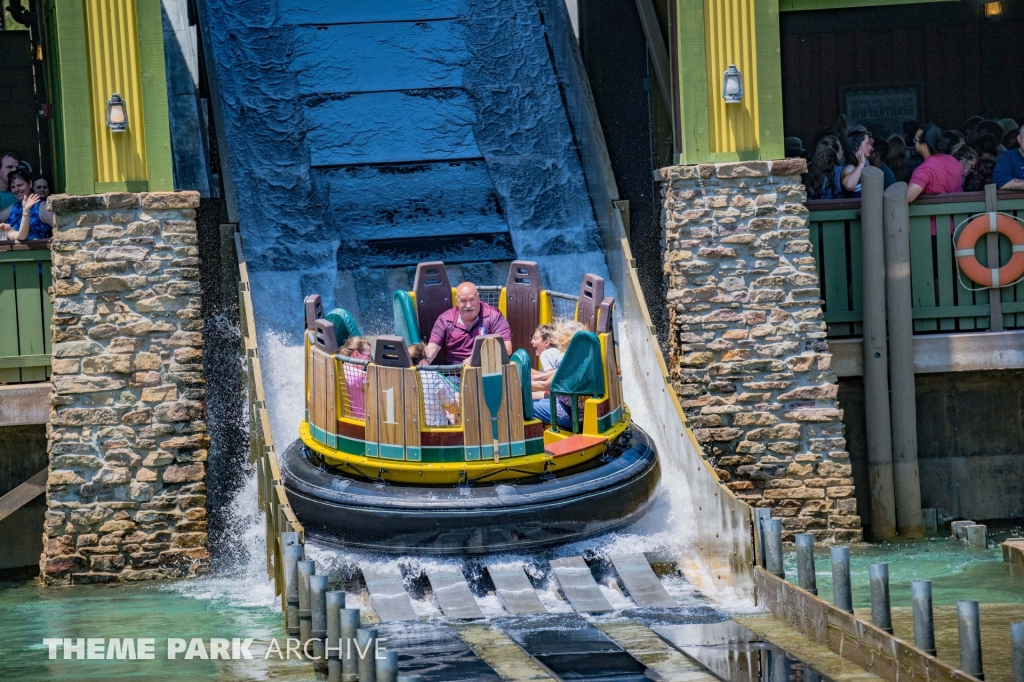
207	608
956	570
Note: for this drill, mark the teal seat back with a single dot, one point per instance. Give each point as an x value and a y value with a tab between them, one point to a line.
581	371
406	325
345	326
522	361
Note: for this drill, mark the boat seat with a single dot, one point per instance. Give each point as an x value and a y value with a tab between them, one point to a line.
314	308
522	305
404	311
581	372
345	326
474	360
391	351
591	296
523	364
323	336
573	445
433	293
606	316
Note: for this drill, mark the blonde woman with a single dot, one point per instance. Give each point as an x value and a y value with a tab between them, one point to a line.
550	342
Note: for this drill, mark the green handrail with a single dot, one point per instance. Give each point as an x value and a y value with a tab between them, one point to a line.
940	301
26	312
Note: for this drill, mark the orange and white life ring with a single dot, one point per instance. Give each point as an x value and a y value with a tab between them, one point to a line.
982	224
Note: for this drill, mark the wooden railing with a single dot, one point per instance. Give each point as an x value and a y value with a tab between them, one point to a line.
273	500
25	311
941	302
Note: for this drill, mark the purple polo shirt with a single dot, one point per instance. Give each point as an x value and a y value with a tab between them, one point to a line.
456	341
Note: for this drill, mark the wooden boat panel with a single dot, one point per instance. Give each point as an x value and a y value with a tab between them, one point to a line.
331	400
390	401
319	415
370	403
471	421
514	401
411	410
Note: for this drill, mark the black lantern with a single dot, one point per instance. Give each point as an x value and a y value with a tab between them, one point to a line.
117	114
732	85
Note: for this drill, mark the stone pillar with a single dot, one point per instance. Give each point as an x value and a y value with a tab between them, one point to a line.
126	494
748	354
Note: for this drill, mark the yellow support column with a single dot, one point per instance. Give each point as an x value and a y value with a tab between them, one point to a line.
708	37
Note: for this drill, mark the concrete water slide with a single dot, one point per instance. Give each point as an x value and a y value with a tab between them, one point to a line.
359	136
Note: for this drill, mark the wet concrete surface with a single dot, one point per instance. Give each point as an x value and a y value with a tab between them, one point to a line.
996	657
829	664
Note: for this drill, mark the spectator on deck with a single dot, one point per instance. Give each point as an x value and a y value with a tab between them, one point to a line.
909	130
9	162
939	173
451	339
794	147
41	186
967	157
988	153
990	127
357	348
1009	170
896	159
858	149
971	129
877	157
1010	132
28	218
824	172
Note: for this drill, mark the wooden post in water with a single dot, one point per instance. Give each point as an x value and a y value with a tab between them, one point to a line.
995	306
901	366
876	357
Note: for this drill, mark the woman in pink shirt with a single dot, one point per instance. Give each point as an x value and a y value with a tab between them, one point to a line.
940	173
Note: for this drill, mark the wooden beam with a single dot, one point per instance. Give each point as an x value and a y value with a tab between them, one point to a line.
23	494
656	49
76	115
995	303
155	107
770	135
19	361
801	5
690	93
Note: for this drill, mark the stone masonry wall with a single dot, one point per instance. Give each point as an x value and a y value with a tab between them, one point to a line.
748	355
126	493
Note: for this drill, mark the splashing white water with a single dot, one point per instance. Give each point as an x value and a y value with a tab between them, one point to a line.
665	533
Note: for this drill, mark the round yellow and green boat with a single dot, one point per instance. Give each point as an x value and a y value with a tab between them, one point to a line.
397	457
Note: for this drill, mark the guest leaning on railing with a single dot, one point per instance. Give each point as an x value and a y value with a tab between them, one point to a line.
1009	170
29	217
940	173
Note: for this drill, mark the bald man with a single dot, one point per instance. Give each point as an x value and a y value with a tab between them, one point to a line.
451	339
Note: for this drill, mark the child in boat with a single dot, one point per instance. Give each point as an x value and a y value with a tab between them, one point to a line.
440	396
357	348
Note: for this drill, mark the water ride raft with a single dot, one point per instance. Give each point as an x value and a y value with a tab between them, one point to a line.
396	457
